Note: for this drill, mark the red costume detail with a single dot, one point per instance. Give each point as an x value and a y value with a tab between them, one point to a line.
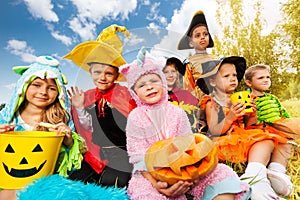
180	95
119	97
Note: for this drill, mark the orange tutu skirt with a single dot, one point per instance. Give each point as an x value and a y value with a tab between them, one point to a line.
234	146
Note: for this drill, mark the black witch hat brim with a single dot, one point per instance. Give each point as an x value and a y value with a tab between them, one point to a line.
198	19
211	68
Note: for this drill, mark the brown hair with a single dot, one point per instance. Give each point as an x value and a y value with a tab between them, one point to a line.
250	71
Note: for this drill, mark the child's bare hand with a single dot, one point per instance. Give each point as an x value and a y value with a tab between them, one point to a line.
236	111
6	127
76	97
62	128
179	188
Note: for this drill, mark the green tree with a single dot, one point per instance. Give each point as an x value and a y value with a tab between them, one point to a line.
291	27
290	41
243	37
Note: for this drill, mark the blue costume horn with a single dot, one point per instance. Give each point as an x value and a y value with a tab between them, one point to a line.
141	56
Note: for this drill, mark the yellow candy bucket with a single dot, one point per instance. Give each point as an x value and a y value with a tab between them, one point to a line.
243	97
27	155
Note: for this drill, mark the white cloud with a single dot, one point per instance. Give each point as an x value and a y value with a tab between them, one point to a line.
182	18
154	15
92	12
96	10
60	37
86	31
133	40
20	49
63	38
163	20
153	28
42	9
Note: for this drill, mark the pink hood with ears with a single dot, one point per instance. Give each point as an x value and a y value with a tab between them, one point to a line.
148	64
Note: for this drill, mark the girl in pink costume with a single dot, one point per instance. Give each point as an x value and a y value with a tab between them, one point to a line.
155	119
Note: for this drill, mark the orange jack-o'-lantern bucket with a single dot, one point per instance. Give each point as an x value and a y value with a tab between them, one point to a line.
27	155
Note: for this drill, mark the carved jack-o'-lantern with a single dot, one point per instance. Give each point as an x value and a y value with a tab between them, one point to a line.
27	155
181	158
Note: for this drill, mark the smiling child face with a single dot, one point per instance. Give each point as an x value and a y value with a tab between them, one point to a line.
149	88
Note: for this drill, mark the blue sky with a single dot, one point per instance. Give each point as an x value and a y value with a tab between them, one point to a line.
30	28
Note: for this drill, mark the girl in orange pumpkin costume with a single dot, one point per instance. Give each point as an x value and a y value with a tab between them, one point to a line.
230	126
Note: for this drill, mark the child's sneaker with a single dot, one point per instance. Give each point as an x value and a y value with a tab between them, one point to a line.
281	183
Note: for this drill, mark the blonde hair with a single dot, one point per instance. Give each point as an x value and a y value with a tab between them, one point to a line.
54	114
250	71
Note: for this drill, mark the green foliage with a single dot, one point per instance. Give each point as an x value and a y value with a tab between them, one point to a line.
291	41
245	38
292	85
291	26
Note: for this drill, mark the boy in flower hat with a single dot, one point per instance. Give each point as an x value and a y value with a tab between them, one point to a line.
100	114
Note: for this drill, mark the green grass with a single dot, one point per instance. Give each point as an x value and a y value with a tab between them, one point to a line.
293	107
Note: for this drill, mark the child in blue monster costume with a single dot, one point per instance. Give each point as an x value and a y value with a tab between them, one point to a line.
40	96
40	99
